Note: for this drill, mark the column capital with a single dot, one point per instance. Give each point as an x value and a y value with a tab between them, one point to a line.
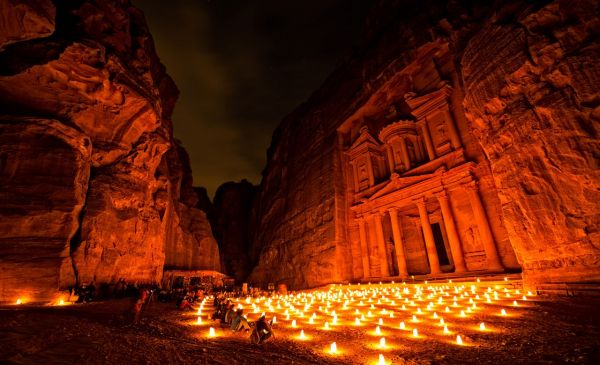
377	214
420	201
472	185
442	195
393	210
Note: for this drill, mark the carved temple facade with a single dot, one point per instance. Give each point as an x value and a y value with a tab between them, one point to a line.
414	199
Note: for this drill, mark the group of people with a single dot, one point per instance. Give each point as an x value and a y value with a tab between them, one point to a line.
228	315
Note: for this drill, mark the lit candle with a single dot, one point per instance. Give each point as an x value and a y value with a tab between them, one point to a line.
381	360
333	348
382	342
199	321
18	301
356	321
211	332
402	326
377	330
482	326
414	318
459	340
380	322
446	331
294	323
415	332
326	325
302	337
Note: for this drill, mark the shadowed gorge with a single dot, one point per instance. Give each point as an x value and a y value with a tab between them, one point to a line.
434	200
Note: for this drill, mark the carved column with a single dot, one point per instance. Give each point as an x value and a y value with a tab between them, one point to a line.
453	238
390	158
364	248
355	177
398	244
428	142
454	136
370	168
483	225
405	155
383	262
434	262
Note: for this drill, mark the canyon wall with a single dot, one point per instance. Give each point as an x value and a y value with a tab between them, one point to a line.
524	100
535	109
93	185
232	209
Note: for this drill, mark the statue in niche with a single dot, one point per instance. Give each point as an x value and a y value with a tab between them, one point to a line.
471	242
442	132
411	150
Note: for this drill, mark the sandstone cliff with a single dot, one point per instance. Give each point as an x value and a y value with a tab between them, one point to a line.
94	187
525	101
232	209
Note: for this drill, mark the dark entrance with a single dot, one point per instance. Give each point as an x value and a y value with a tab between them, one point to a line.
439	244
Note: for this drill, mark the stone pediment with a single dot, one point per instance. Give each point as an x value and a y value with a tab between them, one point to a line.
364	138
398	183
426	104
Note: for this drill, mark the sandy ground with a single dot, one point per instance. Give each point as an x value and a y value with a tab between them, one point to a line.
548	330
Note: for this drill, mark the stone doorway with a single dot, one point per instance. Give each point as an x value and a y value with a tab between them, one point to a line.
440	247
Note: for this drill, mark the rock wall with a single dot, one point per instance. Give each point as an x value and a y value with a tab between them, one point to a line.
534	107
92	188
232	209
526	74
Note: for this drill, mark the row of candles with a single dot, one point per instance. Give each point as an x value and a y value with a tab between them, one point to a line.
348	302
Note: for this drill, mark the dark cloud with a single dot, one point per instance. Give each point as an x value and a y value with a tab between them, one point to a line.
241	66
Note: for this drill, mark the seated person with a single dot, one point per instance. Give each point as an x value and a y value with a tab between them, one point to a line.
239	322
263	330
229	314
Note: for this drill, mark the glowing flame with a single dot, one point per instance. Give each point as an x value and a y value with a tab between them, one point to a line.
18	301
326	325
382	342
503	312
381	360
459	340
415	332
199	320
302	336
356	321
482	326
333	348
402	325
446	331
294	323
377	330
211	332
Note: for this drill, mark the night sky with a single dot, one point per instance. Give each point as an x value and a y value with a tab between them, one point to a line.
241	66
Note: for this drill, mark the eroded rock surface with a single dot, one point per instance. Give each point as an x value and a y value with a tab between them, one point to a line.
93	185
232	209
534	108
525	102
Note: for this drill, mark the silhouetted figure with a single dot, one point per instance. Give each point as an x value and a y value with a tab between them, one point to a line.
262	331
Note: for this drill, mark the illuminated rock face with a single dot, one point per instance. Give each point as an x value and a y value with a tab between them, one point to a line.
93	186
462	148
534	109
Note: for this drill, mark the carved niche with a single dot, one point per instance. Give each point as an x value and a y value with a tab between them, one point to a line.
367	161
435	120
